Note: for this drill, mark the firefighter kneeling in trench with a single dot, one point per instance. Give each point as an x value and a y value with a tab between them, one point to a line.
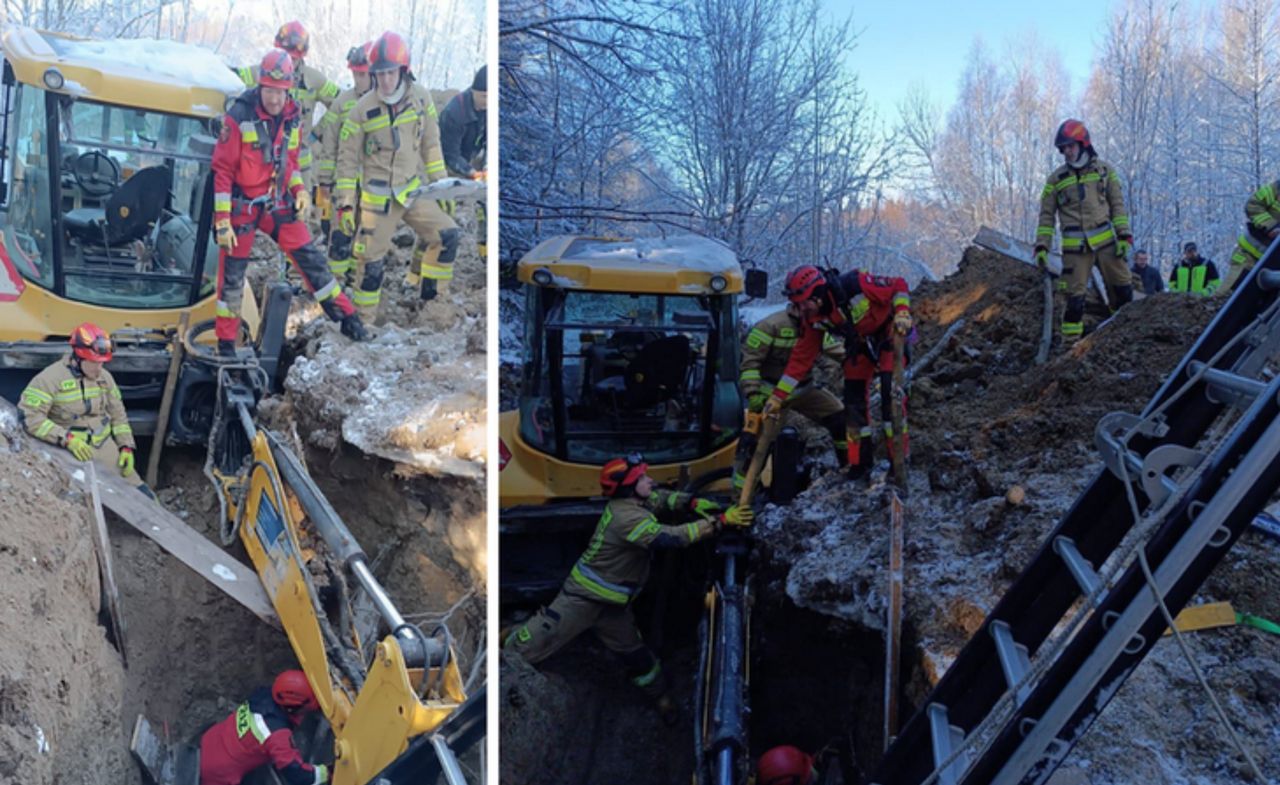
598	593
75	403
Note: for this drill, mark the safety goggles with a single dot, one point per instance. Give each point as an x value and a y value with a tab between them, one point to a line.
278	73
357	57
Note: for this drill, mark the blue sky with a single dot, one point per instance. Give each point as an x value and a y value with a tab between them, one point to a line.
926	41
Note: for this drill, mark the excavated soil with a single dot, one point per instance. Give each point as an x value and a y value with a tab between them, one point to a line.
984	418
391	431
61	682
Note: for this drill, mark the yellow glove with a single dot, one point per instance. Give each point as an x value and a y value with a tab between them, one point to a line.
347	220
705	507
450	206
772	407
902	322
78	445
225	235
301	204
737	516
126	461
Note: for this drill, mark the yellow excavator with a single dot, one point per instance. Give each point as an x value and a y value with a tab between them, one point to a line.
106	192
630	345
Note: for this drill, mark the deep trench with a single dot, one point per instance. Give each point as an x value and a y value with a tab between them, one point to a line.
195	653
815	682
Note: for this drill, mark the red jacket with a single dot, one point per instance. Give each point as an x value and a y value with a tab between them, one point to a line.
255	152
257	733
863	305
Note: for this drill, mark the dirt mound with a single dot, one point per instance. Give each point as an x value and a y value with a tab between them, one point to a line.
61	681
984	419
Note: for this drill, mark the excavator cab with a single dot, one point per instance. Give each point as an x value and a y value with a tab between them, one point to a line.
106	196
630	345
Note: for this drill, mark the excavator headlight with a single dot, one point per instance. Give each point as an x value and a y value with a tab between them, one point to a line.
718	283
53	79
542	276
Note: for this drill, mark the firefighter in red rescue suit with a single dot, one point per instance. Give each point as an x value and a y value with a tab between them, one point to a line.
260	732
257	187
864	311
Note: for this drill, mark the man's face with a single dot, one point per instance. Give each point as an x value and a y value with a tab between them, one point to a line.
1070	151
1189	254
810	307
481	98
273	99
363	80
387	81
644	486
1140	260
90	369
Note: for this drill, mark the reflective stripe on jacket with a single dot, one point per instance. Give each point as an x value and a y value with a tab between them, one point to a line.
615	565
60	399
1089	205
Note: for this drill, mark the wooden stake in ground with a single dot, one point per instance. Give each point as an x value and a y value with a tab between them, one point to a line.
768	432
898	444
166	400
102	544
1046	325
893	624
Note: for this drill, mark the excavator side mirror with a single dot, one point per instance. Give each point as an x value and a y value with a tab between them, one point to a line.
757	284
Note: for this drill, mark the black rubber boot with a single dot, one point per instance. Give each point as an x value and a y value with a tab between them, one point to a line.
427	292
354	329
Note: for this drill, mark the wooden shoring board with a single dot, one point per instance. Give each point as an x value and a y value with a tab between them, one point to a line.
167	530
893	625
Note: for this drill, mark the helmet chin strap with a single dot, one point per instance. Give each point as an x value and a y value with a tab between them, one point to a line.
394	98
1081	161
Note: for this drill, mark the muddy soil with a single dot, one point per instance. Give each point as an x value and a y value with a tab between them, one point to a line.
61	681
983	419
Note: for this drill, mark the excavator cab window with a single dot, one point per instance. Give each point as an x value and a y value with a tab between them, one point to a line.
610	373
106	201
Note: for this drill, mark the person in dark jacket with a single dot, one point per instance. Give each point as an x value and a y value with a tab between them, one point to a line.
1148	277
260	731
462	125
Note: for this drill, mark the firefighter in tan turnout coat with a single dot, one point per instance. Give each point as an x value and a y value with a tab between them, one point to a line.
1086	197
598	593
390	147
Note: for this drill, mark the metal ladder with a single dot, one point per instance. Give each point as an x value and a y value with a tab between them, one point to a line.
1196	467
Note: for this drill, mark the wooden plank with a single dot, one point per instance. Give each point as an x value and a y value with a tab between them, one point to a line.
893	625
102	544
188	546
1046	325
151	752
1024	252
237	581
897	445
768	432
166	401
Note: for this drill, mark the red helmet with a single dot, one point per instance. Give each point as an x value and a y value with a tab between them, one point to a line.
1072	131
292	691
803	282
90	342
358	57
276	70
622	473
293	38
389	52
785	765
